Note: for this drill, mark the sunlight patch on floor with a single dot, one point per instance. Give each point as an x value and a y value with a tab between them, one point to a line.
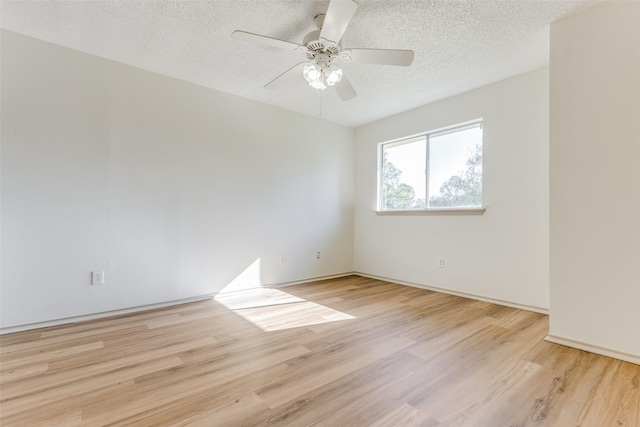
273	309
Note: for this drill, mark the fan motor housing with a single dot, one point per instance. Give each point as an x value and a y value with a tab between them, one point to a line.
315	45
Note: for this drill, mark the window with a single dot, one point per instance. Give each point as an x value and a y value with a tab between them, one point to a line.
435	171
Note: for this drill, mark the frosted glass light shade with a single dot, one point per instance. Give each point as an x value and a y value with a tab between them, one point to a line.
333	75
312	72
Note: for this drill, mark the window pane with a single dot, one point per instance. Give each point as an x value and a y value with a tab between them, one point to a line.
403	175
455	169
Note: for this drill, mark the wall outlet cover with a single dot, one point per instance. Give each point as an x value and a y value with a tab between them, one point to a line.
97	277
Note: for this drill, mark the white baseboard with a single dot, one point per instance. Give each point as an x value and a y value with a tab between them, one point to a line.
627	357
310	280
75	319
100	315
535	309
604	351
110	313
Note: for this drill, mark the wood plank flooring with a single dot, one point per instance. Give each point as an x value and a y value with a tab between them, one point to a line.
343	352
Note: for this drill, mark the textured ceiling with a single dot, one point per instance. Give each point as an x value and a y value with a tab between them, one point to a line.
459	45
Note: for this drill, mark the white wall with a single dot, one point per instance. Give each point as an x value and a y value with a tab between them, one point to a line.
502	255
595	180
171	188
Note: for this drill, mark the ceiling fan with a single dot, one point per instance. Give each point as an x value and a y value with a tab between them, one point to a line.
322	49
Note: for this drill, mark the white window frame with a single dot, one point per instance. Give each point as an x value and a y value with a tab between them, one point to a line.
477	123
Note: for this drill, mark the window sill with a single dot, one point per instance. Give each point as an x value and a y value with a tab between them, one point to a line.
454	211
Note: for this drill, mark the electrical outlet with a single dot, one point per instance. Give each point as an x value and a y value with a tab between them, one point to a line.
97	277
441	262
318	255
281	259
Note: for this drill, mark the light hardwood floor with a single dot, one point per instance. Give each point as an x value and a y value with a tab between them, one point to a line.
344	352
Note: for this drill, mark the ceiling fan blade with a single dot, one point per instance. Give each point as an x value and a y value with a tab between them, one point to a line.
285	77
337	19
267	41
344	89
378	56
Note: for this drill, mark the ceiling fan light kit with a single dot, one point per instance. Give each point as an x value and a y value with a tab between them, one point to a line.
322	48
321	73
